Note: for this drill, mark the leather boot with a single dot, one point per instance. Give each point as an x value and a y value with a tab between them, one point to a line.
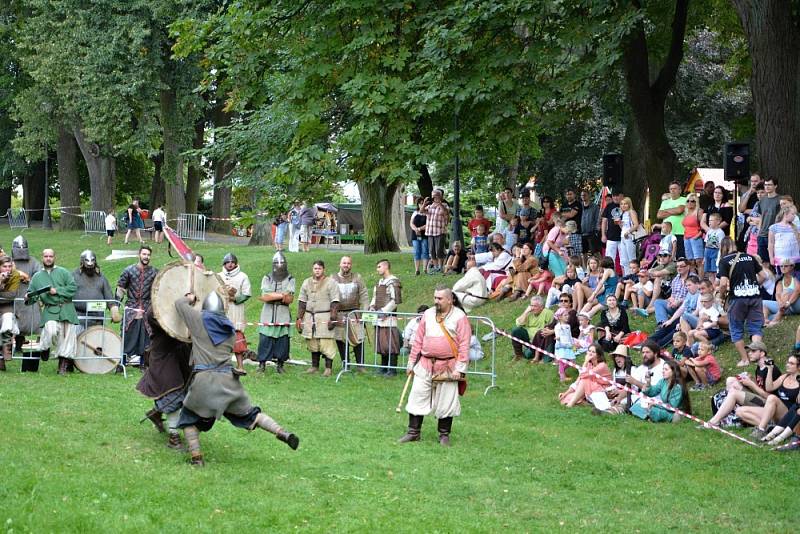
314	363
262	366
359	357
8	350
175	441
62	366
392	363
155	417
2	364
384	362
279	367
328	367
445	424
197	460
414	429
518	354
288	438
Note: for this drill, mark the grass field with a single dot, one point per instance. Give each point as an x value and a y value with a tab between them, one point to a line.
73	457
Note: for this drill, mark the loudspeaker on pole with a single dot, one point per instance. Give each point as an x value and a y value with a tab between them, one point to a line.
613	170
736	162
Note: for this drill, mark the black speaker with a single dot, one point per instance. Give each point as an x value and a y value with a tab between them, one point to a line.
736	162
612	170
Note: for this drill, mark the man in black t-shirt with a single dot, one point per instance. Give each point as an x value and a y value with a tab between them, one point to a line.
611	225
740	279
571	208
742	392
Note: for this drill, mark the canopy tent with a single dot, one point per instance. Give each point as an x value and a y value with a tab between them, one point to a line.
699	177
351	215
326	206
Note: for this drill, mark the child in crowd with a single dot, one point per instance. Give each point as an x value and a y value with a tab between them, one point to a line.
704	369
714	236
680	352
540	283
111	226
586	336
668	240
575	243
565	343
577	262
641	293
525	231
511	233
708	314
626	283
480	242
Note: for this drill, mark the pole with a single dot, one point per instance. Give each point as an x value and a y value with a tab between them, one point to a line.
47	223
456	232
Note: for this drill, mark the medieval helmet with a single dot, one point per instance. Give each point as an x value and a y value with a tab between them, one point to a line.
88	260
230	257
19	248
280	268
214	303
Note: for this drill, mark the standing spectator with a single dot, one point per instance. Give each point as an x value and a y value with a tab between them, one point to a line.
480	241
630	223
574	241
611	225
307	216
719	205
419	242
512	232
294	227
747	200
111	225
784	238
548	211
479	220
134	220
571	208
706	197
506	208
435	228
693	234
672	210
768	207
739	278
754	220
590	224
714	236
159	217
281	228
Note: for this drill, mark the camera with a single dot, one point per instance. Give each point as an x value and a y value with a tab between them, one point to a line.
770	363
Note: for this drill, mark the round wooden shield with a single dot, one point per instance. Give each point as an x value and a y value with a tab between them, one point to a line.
172	283
99	351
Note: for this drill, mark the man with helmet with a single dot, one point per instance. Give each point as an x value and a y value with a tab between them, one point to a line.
237	289
277	292
214	390
92	285
9	284
316	316
137	281
53	287
353	295
27	316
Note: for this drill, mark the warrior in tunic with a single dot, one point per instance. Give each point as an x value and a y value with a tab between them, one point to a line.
92	285
137	282
385	298
9	285
165	379
317	312
277	292
237	287
27	316
438	362
214	390
353	295
53	288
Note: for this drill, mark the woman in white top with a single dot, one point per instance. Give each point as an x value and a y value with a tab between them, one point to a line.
630	223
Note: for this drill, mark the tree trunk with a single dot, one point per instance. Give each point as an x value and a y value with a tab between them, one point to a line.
157	187
102	171
5	200
376	209
262	232
221	208
513	173
654	164
172	170
194	173
67	155
33	191
425	182
399	216
773	38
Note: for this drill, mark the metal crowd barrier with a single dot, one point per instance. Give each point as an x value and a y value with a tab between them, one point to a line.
94	222
191	226
84	322
17	218
485	367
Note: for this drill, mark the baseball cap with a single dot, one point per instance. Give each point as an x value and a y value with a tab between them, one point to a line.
757	345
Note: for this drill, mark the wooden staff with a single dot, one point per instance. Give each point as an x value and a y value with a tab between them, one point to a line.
403	394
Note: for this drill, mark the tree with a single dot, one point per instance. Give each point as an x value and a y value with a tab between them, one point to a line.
772	28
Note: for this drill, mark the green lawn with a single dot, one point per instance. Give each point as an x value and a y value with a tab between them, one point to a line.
74	458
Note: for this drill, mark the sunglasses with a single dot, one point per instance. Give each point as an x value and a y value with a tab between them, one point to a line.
692	201
563	300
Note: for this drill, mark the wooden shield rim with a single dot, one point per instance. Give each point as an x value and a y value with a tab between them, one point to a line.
113	361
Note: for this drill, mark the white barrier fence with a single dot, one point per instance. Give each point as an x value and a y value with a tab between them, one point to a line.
94	222
17	218
191	226
485	366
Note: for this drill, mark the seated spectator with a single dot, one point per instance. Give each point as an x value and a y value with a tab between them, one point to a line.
650	372
589	281
625	284
534	318
566	284
704	369
471	288
661	274
540	283
495	271
480	241
680	352
670	390
613	324
456	259
785	428
585	332
669	243
479	220
594	377
783	394
606	287
677	289
618	397
742	390
522	268
787	292
641	293
555	249
684	315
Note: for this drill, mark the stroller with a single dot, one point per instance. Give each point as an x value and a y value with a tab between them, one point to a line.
648	249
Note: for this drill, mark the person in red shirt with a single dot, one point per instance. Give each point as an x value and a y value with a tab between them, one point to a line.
478	220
